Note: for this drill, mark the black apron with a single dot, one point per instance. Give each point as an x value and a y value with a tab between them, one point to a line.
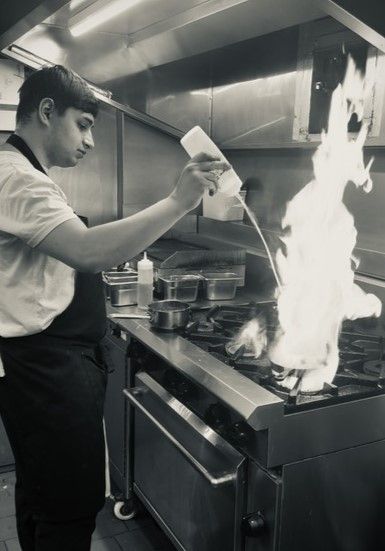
51	403
84	319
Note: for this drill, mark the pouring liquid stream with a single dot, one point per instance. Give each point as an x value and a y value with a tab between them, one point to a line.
255	224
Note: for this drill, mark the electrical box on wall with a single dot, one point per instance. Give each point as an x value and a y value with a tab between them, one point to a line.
11	78
322	58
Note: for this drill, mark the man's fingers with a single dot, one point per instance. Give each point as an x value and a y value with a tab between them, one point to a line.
206	166
204	157
213	176
210	184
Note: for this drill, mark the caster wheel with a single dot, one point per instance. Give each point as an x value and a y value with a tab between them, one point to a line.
124	510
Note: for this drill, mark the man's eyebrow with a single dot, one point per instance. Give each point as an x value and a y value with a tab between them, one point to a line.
89	120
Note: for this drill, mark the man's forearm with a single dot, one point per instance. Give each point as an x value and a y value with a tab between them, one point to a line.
113	243
99	248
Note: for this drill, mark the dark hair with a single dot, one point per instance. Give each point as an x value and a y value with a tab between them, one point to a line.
64	86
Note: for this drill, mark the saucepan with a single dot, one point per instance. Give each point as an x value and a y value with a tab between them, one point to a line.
168	315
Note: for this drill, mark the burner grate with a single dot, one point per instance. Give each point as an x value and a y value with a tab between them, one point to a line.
361	369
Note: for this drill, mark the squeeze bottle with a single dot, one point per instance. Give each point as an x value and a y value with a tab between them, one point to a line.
197	141
145	282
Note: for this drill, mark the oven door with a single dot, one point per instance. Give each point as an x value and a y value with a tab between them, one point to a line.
188	476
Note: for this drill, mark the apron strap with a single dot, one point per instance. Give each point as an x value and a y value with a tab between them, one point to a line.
19	144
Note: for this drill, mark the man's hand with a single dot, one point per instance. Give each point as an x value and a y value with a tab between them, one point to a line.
201	172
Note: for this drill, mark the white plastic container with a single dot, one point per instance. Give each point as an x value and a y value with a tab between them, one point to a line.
145	282
223	207
197	141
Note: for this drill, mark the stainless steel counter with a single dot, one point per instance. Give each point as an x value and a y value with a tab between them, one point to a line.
257	406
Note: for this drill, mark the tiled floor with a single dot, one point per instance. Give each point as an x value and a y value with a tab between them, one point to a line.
111	534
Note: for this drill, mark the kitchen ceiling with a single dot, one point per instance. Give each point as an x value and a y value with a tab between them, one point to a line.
152	33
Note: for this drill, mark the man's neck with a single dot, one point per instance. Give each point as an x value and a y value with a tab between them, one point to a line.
35	146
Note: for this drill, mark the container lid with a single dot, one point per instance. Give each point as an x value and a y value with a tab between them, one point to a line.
122	284
176	278
221	275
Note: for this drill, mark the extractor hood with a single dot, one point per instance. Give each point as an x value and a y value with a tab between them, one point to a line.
151	32
366	19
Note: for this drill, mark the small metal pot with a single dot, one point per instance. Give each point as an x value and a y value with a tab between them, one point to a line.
169	315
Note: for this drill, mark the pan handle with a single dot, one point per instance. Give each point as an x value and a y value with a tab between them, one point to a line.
129	316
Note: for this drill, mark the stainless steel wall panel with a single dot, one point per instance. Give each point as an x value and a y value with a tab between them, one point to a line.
273	177
254	86
119	162
368	211
152	164
178	93
249	113
96	174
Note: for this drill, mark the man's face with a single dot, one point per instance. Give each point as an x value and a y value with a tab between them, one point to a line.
70	137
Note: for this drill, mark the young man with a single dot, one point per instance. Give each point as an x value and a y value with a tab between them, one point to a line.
52	314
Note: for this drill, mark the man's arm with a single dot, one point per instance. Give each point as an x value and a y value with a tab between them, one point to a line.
99	248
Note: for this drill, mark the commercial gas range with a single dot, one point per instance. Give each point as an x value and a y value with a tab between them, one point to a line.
226	459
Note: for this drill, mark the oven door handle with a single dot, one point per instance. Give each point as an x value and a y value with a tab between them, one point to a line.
225	478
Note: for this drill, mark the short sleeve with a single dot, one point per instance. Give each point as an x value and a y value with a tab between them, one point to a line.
31	205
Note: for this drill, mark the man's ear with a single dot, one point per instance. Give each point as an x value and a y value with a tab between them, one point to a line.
45	110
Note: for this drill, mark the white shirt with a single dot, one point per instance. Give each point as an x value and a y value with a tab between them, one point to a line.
34	287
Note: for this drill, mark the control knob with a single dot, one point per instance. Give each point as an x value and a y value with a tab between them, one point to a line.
253	524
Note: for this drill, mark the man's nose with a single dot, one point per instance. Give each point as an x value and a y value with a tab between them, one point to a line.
89	140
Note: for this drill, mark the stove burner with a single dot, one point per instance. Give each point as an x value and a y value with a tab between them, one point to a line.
205	327
231	316
361	371
376	368
237	351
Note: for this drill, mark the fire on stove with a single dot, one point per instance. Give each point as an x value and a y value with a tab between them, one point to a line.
221	332
316	291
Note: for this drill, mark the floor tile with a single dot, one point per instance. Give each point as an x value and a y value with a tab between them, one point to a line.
148	539
139	522
13	545
157	537
8	528
146	524
111	534
106	544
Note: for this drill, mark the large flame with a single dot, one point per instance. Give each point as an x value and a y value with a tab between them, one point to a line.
318	291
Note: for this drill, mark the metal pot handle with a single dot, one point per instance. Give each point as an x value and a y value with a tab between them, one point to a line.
216	481
128	316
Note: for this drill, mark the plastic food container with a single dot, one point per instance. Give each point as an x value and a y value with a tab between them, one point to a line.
180	287
220	285
123	293
223	207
